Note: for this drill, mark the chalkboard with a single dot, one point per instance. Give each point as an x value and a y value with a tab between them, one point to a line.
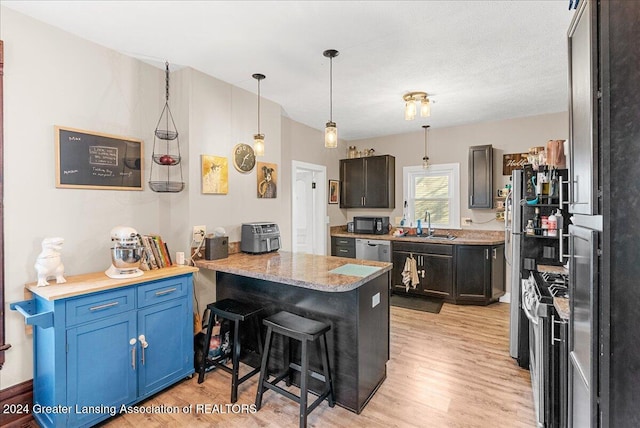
86	159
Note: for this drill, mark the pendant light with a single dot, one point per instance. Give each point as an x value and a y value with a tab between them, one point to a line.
258	139
425	159
331	131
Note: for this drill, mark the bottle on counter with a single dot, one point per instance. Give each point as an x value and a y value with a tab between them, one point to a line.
419	228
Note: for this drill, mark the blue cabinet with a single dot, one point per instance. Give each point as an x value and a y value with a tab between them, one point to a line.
96	352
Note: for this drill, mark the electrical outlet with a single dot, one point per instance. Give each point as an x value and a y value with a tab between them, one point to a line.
467	220
198	233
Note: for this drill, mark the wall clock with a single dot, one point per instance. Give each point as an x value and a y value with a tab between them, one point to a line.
244	159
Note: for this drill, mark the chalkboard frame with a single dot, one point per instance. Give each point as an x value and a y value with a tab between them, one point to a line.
106	141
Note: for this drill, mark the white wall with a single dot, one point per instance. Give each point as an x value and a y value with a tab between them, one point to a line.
54	78
451	145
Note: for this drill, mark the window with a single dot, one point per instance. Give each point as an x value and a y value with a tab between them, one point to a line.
436	190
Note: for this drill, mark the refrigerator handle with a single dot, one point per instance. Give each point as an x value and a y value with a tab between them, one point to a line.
507	224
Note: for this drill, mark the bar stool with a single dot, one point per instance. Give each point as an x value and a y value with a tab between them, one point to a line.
305	330
237	312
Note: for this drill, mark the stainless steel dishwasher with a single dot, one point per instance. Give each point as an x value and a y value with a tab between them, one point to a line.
373	249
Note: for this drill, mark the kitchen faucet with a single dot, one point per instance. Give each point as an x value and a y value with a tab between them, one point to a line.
427	218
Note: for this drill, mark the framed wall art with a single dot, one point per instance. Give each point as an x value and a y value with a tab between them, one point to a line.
513	161
334	191
215	175
267	174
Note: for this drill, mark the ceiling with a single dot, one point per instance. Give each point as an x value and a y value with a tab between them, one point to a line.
478	60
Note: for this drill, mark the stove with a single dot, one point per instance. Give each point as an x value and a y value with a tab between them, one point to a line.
556	283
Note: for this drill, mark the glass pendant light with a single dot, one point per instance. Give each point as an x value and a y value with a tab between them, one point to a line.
258	139
331	131
425	159
425	107
410	110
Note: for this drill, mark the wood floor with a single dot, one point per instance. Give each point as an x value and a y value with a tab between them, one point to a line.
452	369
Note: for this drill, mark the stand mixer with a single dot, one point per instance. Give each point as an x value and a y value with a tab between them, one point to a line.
126	253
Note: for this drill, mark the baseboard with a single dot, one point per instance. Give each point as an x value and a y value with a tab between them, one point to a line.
506	298
19	397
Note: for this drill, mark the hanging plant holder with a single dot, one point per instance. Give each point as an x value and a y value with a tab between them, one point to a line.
166	150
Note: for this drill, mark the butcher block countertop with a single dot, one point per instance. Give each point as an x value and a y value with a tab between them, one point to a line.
322	273
463	237
98	281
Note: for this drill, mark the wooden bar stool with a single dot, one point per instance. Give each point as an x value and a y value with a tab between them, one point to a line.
237	312
291	326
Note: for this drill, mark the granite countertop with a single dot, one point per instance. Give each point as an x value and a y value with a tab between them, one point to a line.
93	282
301	270
553	269
562	306
463	237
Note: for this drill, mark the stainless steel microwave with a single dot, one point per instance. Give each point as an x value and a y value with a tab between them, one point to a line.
371	225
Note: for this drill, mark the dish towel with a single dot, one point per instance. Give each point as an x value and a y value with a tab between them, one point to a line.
410	273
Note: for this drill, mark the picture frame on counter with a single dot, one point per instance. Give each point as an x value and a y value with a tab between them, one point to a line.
334	191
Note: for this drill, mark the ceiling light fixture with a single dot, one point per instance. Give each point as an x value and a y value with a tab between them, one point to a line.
425	159
258	139
410	110
331	131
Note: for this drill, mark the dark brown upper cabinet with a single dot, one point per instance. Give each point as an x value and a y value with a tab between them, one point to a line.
368	182
481	176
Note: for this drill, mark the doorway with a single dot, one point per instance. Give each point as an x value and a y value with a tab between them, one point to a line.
308	208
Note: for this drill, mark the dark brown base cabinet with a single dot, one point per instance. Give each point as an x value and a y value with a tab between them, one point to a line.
343	247
460	274
434	264
479	273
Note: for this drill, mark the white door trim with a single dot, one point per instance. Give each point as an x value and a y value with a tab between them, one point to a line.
319	206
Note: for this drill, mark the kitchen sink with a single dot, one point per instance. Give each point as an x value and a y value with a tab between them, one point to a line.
440	236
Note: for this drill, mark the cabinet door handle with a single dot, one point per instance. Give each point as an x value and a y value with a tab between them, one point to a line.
105	306
143	345
163	292
132	342
470	199
494	253
486	253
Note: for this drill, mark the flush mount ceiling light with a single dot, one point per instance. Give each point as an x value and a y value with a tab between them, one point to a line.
410	110
425	159
258	139
331	131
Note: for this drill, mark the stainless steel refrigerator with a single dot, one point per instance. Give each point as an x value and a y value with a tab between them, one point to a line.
518	325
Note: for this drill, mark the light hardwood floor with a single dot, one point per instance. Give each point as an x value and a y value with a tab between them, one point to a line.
452	369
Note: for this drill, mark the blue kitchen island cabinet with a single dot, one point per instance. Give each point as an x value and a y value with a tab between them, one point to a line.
101	343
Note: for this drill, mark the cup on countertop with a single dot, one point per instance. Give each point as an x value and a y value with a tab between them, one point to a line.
180	258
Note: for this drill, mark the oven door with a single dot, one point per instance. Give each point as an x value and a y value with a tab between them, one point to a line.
538	347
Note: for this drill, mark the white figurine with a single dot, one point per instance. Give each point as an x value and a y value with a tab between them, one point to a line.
49	263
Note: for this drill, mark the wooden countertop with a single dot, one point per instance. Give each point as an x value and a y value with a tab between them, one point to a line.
300	270
98	281
463	237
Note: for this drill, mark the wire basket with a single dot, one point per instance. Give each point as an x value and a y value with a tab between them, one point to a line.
164	134
166	186
173	159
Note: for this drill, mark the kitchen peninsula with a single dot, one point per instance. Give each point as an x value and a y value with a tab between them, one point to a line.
351	295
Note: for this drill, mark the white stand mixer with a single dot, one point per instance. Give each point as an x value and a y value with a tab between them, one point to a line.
126	253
